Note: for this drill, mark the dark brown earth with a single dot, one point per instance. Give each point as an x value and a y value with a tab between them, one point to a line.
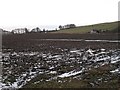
39	42
34	41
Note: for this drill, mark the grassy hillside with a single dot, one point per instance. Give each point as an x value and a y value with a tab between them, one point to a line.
112	26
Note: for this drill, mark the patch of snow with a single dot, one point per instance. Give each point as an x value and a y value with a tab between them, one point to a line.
102	49
115	41
59	81
24	75
52	72
90	51
72	73
51	67
115	71
115	61
75	51
44	55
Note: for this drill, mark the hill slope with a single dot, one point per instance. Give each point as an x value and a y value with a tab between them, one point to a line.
112	26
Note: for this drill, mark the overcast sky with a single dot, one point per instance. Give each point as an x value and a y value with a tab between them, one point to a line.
33	13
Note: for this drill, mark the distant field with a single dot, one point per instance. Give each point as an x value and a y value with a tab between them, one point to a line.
113	26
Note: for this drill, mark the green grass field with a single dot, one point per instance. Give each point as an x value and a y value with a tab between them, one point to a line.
112	26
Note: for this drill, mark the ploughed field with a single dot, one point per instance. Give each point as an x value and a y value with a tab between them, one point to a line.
60	61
